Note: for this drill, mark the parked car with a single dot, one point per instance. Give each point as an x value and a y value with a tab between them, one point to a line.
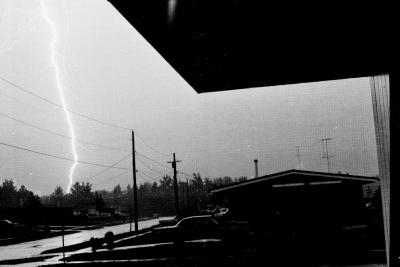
194	227
221	212
7	224
168	221
201	227
8	228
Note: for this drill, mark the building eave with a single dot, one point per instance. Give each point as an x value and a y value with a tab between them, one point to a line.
271	177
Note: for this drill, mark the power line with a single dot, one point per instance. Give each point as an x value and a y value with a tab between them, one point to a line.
78	113
112	177
24	103
77	124
59	134
106	169
146	171
59	157
153	179
61	107
156	162
155	150
150	168
47	112
30	93
186	174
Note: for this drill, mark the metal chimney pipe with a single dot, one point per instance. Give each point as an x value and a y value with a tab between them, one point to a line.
256	168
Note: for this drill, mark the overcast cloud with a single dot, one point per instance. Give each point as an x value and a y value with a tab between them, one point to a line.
112	74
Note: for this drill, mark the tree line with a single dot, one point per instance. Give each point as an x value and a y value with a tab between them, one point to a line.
11	196
153	198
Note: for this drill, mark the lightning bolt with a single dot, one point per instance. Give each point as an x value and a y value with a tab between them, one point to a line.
61	88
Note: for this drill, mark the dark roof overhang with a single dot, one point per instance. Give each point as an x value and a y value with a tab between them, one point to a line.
232	44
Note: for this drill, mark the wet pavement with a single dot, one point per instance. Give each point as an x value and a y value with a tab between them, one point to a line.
34	248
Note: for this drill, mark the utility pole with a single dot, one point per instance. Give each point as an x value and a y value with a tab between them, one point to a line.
182	203
62	234
325	153
187	193
175	185
63	244
135	206
298	157
256	168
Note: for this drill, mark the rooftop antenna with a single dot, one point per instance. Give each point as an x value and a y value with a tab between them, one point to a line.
325	153
299	167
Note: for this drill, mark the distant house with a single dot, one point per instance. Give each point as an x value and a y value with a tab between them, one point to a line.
113	211
89	210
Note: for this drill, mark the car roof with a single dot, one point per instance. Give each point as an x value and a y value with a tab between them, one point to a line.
197	217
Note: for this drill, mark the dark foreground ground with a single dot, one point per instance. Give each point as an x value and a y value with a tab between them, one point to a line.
251	251
146	249
31	251
25	234
206	253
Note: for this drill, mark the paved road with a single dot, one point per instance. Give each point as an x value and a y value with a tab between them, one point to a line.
34	248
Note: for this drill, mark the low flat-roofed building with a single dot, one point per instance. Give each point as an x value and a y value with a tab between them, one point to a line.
297	192
326	211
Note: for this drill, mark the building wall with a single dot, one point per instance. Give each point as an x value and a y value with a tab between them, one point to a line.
342	203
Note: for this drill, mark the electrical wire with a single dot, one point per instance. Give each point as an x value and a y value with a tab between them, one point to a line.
106	169
79	114
156	162
59	157
82	141
112	177
150	168
155	150
77	124
153	179
59	134
187	175
164	166
61	107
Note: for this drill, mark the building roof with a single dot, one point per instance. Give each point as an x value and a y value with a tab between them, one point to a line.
233	44
298	177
